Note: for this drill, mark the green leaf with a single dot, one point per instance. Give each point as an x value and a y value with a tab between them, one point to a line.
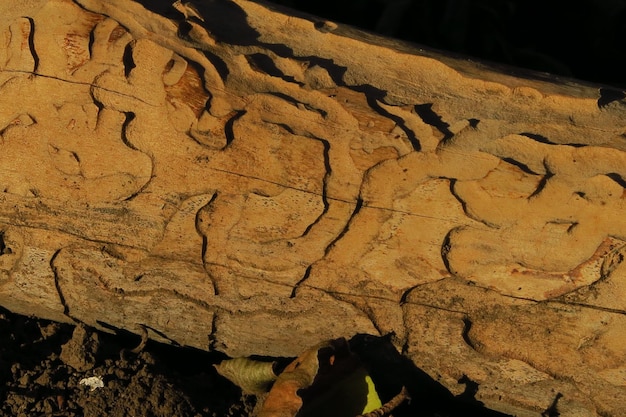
373	400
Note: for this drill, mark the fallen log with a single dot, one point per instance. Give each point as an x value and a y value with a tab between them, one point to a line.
233	177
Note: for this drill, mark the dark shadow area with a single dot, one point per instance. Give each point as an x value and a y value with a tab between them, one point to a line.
426	113
609	95
584	40
390	371
226	20
552	410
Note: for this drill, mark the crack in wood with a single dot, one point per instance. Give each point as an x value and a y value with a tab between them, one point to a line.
66	308
34	75
467	327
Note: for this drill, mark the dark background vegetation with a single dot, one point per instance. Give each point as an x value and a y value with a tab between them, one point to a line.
583	39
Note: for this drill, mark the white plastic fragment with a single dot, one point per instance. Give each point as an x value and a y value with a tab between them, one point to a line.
93	382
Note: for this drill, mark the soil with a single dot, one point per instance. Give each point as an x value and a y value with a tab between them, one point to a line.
42	364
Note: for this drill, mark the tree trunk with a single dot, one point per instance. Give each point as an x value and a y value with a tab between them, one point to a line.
234	178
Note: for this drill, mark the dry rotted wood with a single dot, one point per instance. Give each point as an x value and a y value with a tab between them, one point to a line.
235	178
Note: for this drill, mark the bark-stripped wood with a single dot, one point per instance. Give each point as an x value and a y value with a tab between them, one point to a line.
231	177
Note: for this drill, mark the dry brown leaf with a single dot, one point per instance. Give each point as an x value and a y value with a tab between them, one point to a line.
283	399
253	377
327	380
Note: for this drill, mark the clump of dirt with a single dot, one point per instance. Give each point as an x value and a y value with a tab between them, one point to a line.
42	364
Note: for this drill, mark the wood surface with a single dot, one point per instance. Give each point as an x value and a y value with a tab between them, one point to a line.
234	177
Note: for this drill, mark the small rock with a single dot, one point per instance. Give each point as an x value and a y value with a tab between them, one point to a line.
80	351
43	379
24	379
49	330
15	369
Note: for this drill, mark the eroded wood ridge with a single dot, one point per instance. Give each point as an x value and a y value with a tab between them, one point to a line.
261	182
